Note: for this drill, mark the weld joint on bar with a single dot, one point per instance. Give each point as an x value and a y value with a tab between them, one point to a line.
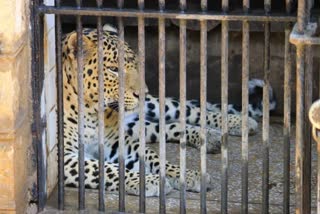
307	38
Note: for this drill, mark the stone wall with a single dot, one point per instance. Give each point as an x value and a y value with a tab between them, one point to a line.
17	170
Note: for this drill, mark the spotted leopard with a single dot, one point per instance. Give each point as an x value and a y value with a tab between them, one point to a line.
132	85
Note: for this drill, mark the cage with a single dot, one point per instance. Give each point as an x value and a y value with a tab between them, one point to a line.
211	51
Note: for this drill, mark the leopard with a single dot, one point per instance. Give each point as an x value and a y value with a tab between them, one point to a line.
110	40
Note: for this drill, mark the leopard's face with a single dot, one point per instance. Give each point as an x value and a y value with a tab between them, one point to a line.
110	69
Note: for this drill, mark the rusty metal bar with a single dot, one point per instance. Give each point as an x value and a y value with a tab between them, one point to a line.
287	119
141	55
302	15
224	109
302	156
287	113
37	68
60	134
266	113
101	112
299	156
121	76
80	111
203	103
258	17
245	102
266	119
307	129
183	89
162	84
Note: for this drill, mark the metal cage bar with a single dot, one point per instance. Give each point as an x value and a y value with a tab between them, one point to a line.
299	157
121	75
80	110
224	108
308	128
37	67
60	134
168	14
302	155
245	102
203	111
183	90
141	53
266	112
162	84
287	113
101	112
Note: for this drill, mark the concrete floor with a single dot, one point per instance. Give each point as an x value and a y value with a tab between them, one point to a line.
214	168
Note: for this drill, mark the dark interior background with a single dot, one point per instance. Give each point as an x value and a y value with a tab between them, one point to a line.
213	48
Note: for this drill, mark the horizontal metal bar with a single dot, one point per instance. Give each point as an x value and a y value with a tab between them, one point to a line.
168	14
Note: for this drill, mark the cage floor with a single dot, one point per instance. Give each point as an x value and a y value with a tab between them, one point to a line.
214	168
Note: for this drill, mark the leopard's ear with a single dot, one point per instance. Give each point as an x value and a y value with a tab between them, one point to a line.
72	45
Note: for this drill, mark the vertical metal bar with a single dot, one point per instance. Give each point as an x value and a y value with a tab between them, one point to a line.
299	156
224	109
302	147
101	111
37	75
162	79
183	143
246	6
141	52
121	112
302	15
265	120
287	120
245	102
267	6
307	130
80	110
59	82
203	103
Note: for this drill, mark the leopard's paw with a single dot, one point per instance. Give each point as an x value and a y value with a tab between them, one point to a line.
235	125
213	141
253	126
152	186
193	181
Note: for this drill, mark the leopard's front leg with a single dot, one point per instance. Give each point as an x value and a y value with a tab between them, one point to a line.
193	177
111	177
192	136
173	131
